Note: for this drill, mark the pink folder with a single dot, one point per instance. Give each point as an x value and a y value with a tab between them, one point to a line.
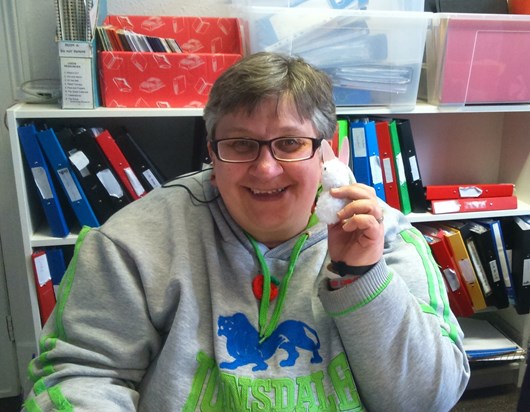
486	60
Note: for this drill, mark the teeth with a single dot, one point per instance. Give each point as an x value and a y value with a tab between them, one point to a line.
267	192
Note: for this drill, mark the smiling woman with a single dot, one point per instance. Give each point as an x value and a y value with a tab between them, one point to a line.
224	295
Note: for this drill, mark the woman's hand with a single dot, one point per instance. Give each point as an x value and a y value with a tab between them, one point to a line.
358	238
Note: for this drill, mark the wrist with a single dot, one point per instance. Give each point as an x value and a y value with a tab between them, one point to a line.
342	269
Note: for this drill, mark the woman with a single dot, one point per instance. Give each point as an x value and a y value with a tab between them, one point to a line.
215	292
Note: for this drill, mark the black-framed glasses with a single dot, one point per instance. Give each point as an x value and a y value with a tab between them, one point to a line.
284	149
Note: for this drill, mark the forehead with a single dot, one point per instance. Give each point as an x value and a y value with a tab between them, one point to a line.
269	116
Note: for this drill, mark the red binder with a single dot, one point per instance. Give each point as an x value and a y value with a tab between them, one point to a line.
120	165
43	284
458	295
435	192
473	205
386	158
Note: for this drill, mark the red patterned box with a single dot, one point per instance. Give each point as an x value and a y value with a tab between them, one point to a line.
130	79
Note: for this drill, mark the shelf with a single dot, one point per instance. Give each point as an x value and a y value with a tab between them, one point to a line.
52	111
43	111
43	238
522	209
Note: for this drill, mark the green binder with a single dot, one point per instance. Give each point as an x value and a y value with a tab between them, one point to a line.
400	169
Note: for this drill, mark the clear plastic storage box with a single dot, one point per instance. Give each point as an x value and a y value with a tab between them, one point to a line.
403	5
478	59
374	58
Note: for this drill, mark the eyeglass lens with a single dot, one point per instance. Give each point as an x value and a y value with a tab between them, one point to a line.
283	148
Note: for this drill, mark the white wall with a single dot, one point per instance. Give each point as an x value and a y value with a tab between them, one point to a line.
37	27
28	51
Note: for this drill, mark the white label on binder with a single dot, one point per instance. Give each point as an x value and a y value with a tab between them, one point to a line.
79	160
111	184
42	269
414	168
69	185
495	271
452	279
387	168
400	170
359	142
473	254
153	181
526	272
469	191
467	270
41	179
137	186
375	168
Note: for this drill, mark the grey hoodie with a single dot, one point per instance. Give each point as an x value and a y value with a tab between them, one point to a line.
156	313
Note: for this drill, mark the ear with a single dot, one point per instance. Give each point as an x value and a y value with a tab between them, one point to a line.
327	151
344	152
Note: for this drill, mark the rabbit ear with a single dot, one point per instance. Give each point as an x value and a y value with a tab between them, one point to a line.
344	152
327	151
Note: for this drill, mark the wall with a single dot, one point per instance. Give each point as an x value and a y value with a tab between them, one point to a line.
28	51
37	26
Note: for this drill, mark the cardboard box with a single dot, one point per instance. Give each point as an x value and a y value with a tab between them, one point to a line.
149	79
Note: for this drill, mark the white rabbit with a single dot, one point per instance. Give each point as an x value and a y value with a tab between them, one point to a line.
335	173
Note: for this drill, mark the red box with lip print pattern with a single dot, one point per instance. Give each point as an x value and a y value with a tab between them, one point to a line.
153	79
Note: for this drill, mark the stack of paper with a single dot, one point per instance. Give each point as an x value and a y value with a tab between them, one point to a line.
483	341
76	19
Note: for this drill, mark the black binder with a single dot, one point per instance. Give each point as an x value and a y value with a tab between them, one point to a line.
95	192
486	251
417	197
99	166
520	263
142	166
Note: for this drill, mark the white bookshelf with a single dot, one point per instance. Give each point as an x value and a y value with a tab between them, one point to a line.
462	145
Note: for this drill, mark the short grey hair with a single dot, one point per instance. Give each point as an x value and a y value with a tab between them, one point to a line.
264	75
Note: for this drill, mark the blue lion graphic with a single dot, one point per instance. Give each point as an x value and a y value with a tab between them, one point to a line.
242	342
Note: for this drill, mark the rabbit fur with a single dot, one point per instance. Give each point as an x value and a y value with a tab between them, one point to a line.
335	173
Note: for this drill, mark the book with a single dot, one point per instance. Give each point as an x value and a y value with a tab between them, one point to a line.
521	263
342	133
404	198
482	339
100	167
387	160
483	240
473	204
57	266
120	164
475	191
42	177
457	293
372	147
43	284
412	170
463	260
95	192
500	253
140	162
67	178
464	227
359	152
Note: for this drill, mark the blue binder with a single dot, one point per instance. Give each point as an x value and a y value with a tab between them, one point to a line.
43	181
67	179
365	155
359	152
372	147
